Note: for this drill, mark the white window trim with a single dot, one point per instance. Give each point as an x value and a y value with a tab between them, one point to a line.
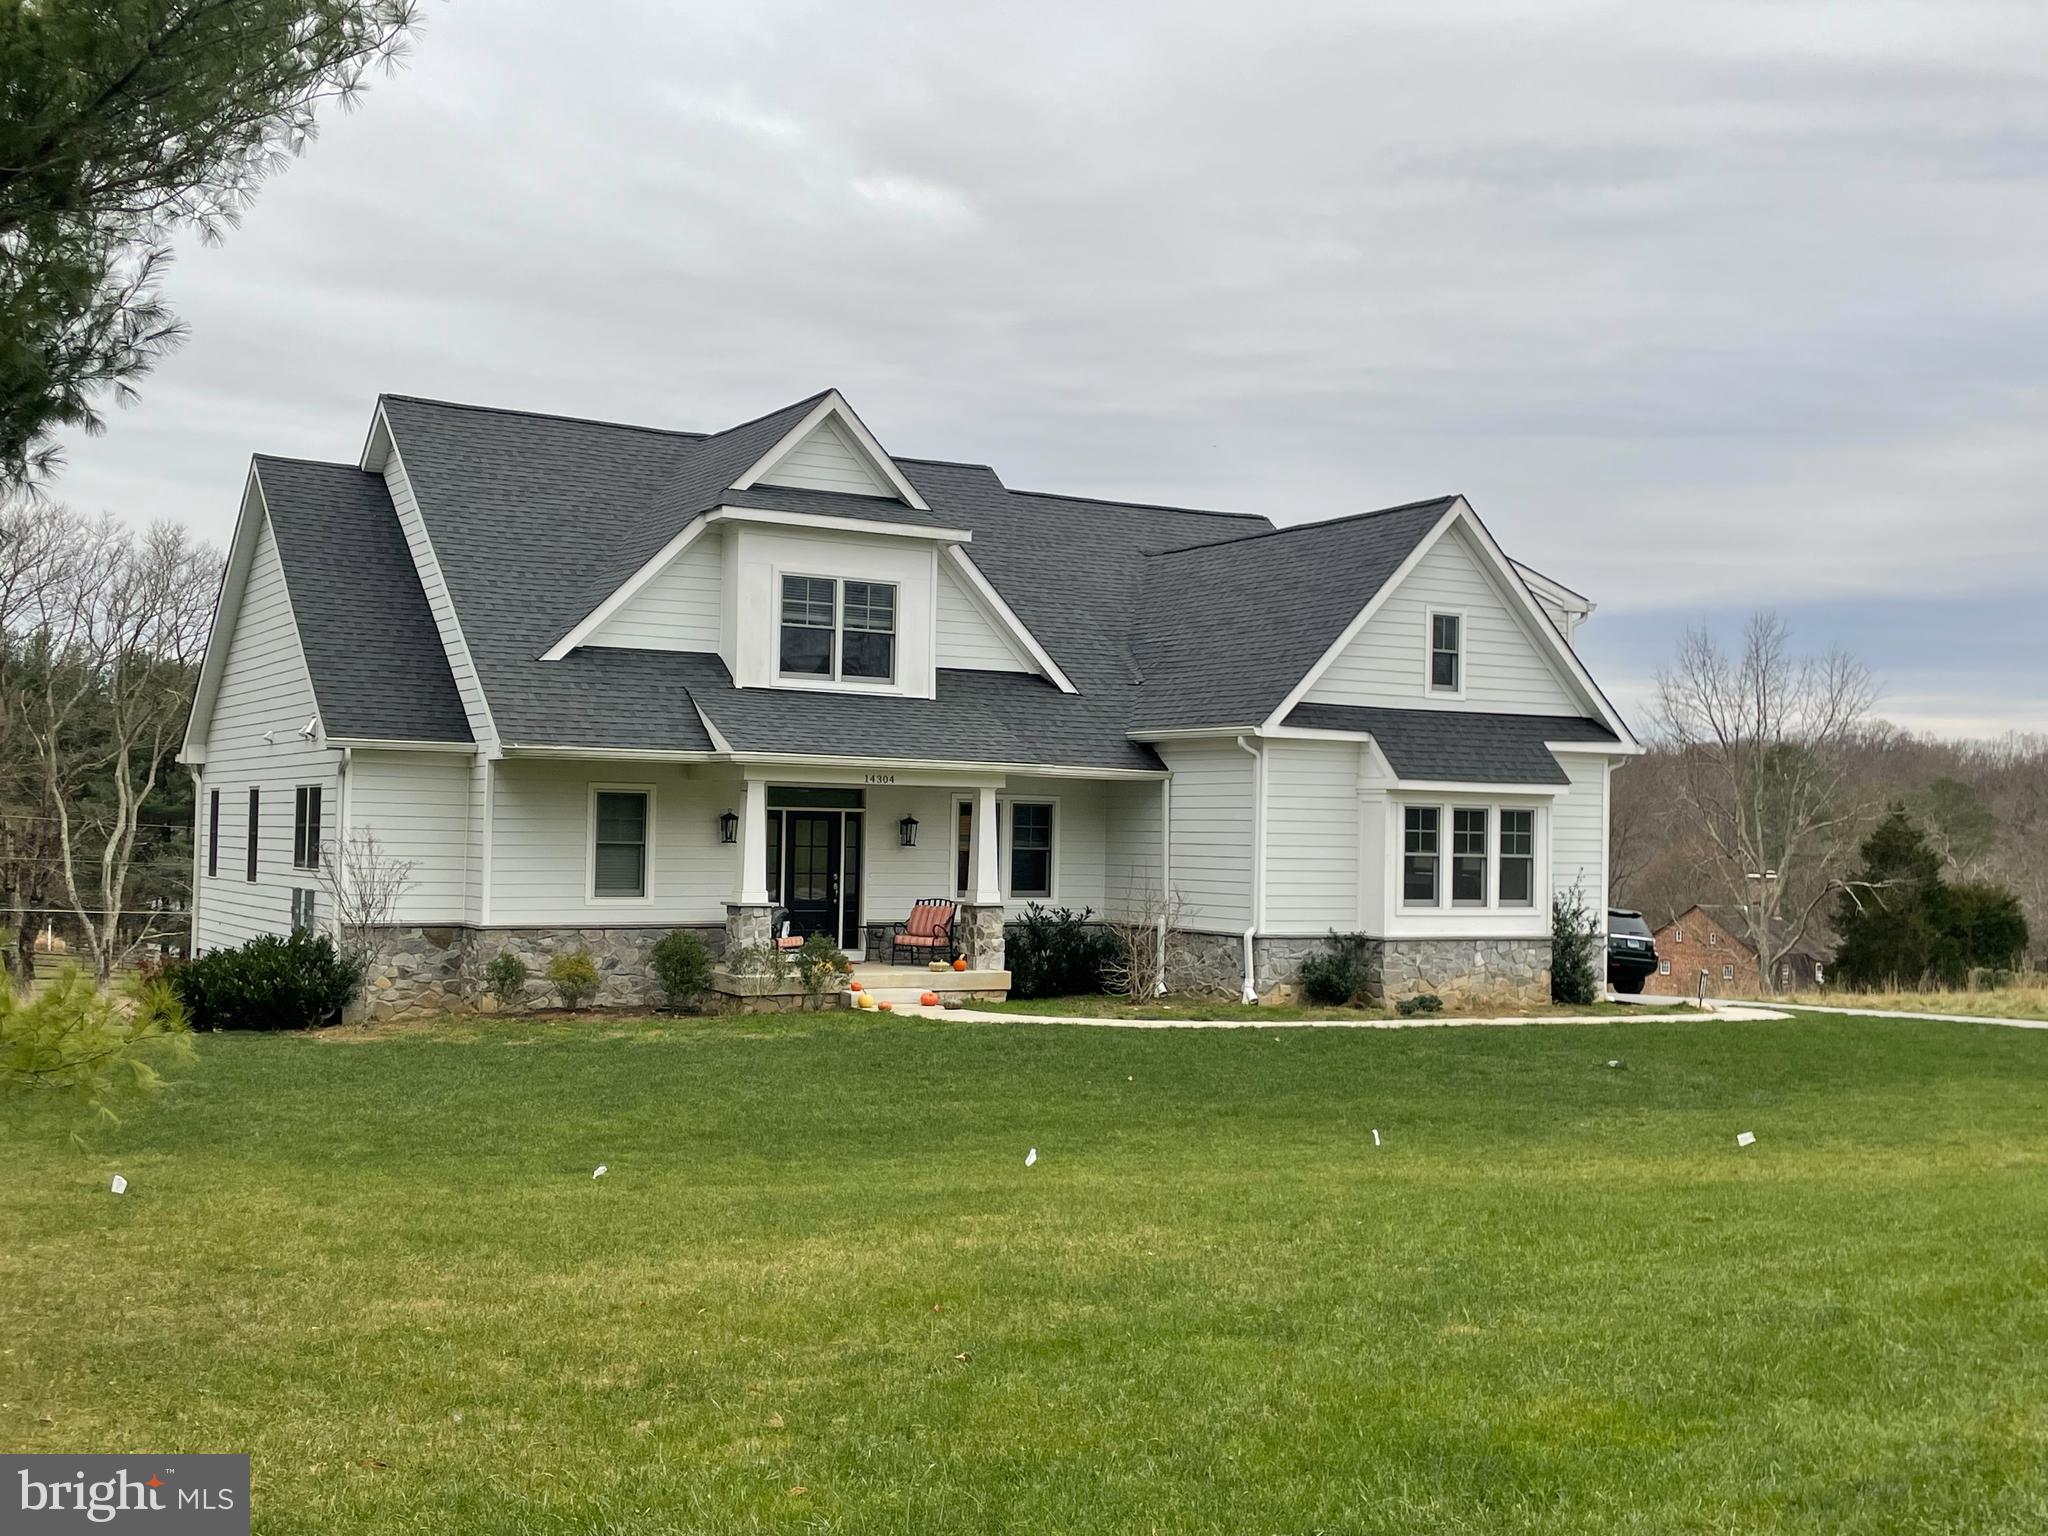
1663	967
1444	905
1489	855
1004	839
590	896
836	683
1429	617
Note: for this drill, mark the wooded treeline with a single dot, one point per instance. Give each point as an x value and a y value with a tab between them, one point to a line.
101	629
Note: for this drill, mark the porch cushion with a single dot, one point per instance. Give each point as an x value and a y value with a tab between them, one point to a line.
928	919
920	940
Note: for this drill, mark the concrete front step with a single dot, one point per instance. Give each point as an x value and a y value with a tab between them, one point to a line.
917	979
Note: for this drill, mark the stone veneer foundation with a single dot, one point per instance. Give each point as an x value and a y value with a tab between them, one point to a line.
1510	972
445	970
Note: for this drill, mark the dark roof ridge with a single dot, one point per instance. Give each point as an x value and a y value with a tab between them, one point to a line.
1143	506
292	458
1328	522
581	421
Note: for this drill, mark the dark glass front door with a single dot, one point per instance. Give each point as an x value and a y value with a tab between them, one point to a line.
811	892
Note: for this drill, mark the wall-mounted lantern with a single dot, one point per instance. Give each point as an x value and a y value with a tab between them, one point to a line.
906	831
729	828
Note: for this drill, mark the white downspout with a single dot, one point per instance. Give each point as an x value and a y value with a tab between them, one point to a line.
1258	891
200	808
1165	875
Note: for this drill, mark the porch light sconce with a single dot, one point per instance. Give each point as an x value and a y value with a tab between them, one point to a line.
906	831
729	828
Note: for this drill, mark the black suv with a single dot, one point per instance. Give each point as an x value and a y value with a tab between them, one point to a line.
1631	952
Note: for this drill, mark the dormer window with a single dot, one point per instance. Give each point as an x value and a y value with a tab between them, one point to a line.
1446	653
838	631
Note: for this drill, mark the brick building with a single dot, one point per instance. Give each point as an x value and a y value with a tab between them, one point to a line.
1711	939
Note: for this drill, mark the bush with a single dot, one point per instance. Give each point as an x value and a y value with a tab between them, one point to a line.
1573	979
1339	975
1056	953
756	960
574	975
300	982
820	964
72	1038
683	967
1425	1003
506	977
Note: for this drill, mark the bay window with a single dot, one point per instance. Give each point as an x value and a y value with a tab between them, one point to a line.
1420	832
1517	858
1480	858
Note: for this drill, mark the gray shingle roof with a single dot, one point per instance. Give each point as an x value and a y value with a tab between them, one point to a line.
1226	629
377	664
1457	747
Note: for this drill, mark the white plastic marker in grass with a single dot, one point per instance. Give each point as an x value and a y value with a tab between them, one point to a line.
1375	1137
1745	1139
600	1171
119	1186
1031	1157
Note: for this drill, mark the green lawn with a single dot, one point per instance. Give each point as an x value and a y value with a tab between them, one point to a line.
1204	1008
819	1290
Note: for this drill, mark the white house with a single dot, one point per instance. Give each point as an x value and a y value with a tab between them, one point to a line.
596	682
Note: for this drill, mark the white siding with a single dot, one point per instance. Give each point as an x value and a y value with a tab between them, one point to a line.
1312	830
1079	829
1131	847
1578	832
1212	833
967	638
894	876
438	601
827	460
264	688
1506	671
540	846
678	609
418	805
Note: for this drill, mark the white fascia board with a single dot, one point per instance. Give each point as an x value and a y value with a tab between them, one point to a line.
1463	787
1556	591
1005	618
613	754
227	611
395	744
1599	748
935	765
825	522
624	592
835	406
1373	605
1193	732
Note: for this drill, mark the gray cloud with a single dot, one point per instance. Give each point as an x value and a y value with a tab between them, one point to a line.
1703	305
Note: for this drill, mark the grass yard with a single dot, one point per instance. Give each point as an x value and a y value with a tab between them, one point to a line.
1206	1008
818	1290
2025	1001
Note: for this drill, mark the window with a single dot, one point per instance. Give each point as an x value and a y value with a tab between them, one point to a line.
1468	856
255	804
306	828
1727	973
1518	858
302	908
963	875
868	648
1678	935
213	833
838	630
619	858
1030	850
1713	939
1446	657
1663	967
1419	855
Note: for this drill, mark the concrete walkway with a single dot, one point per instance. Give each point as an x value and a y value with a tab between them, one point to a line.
1421	1021
1932	1018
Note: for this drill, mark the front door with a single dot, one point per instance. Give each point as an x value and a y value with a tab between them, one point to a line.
812	889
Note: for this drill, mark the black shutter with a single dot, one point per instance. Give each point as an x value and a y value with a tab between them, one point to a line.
213	833
255	804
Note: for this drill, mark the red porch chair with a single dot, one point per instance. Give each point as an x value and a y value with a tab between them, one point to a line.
928	934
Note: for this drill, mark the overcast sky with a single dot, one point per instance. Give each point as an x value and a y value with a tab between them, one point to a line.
1704	307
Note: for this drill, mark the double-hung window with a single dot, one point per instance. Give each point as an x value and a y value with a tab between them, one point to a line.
306	828
1030	850
1468	856
1421	831
1446	653
618	864
837	630
1517	858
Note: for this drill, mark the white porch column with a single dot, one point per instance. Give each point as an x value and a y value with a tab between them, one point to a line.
988	871
752	883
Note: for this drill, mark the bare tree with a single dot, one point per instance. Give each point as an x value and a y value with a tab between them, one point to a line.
1146	940
1761	770
104	636
363	885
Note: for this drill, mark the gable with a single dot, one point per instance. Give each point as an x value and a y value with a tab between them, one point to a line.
264	685
826	459
968	639
678	608
1507	669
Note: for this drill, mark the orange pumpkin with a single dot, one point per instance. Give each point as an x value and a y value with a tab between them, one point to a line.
853	986
960	964
930	999
888	1007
